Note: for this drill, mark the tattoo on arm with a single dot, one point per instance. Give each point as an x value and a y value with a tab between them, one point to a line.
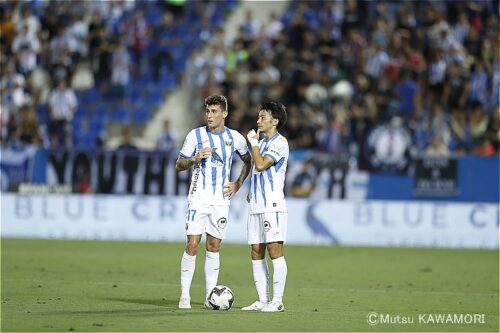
183	163
245	170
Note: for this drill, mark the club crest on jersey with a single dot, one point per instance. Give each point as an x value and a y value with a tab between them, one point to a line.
221	223
267	226
216	158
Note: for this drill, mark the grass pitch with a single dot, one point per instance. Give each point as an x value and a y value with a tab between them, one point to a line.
132	286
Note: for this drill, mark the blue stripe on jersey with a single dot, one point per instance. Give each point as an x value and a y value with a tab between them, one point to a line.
278	165
222	144
203	162
262	146
232	148
271	139
255	187
263	189
271	156
270	176
214	169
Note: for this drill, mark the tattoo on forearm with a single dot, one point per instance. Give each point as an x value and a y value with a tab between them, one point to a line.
183	163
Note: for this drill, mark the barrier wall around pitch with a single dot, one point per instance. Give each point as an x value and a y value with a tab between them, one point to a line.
328	222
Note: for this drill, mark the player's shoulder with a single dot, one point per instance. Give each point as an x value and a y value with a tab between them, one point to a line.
196	130
235	134
280	141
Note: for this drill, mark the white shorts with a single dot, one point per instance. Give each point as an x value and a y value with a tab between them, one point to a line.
266	227
208	219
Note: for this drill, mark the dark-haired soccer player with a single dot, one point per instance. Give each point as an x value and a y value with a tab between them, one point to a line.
267	220
209	149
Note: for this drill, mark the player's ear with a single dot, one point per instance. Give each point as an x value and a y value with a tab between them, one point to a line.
275	122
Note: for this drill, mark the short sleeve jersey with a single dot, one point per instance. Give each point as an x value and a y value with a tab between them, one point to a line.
211	174
267	187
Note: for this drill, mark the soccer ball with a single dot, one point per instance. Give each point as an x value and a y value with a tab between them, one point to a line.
221	298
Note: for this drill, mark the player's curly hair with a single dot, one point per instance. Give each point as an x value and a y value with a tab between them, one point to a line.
277	110
216	100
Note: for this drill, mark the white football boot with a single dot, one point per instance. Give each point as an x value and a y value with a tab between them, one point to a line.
255	306
185	303
274	307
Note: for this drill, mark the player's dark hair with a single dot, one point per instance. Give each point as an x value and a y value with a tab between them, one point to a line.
277	110
216	100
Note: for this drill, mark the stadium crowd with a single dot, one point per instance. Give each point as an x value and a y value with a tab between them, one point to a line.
341	67
131	50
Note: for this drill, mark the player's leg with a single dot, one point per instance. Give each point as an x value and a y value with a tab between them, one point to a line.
188	263
259	264
216	232
195	227
212	263
275	238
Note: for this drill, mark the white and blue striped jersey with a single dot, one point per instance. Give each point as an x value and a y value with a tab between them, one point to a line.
211	174
267	187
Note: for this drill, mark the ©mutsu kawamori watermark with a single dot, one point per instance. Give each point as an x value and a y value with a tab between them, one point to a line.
376	318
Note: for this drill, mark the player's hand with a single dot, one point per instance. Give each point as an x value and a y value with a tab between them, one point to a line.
253	138
230	189
202	153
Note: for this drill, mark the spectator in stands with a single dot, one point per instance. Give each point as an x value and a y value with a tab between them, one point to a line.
437	148
96	37
136	32
439	122
78	29
62	105
127	140
478	123
121	65
29	21
493	130
27	127
85	186
62	48
165	39
273	29
4	123
7	27
460	130
331	138
166	139
12	88
305	182
485	148
26	48
409	95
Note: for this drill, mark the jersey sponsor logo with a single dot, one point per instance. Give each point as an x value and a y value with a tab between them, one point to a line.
274	152
275	204
195	179
267	226
228	143
221	223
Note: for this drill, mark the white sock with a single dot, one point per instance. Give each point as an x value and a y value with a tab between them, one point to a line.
212	264
261	278
187	271
279	278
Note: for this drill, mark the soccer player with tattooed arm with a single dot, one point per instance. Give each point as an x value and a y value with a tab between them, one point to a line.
209	150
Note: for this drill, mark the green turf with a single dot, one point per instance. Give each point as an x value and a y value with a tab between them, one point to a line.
132	286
